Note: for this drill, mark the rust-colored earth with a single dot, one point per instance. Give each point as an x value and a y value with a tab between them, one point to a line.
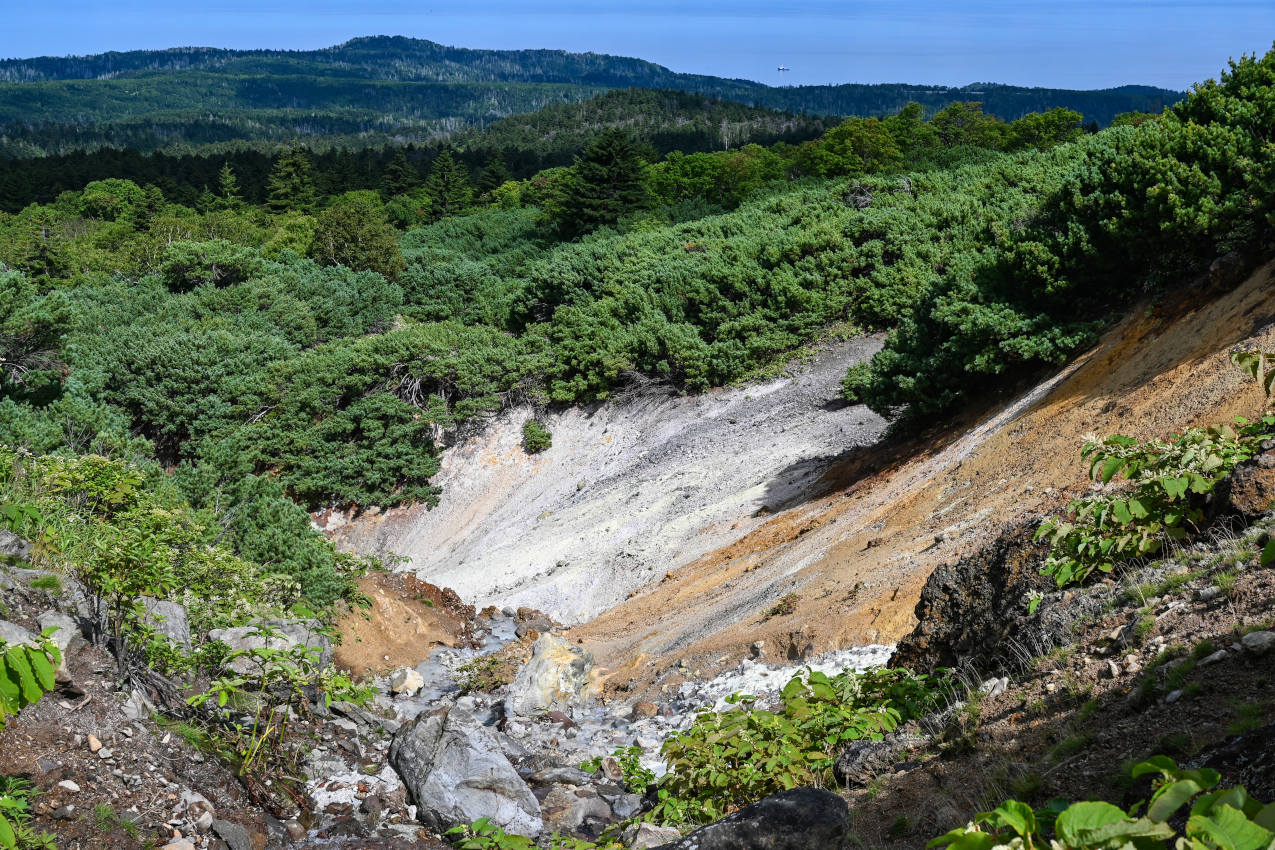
405	620
857	556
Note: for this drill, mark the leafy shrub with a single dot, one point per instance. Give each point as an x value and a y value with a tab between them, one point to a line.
1164	502
535	437
186	265
637	779
1228	818
485	673
786	605
26	673
729	759
482	834
15	814
279	690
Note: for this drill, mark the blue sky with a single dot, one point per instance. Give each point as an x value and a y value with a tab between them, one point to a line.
1066	43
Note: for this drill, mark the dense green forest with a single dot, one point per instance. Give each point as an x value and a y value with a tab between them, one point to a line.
664	121
373	91
315	346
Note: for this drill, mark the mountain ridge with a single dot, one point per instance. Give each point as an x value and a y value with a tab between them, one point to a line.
415	80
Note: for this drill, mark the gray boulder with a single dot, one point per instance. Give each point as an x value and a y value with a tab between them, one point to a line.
13	634
645	836
862	760
1258	643
290	634
799	819
556	676
455	773
168	619
14	547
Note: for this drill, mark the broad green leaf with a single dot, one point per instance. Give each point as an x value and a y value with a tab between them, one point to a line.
1230	830
1172	797
16	660
1128	829
1175	487
1268	553
959	839
1110	467
1080	818
1138	509
43	669
7	838
1120	510
1017	816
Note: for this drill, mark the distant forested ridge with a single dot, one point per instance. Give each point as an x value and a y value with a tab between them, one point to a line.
663	121
371	91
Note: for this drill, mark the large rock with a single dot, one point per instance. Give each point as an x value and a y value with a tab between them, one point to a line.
565	812
1250	489
14	547
291	633
168	619
969	611
455	773
863	760
646	836
556	676
799	819
13	634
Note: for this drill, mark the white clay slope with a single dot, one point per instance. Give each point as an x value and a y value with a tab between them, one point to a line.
628	491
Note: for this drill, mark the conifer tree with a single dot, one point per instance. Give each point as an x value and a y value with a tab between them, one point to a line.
494	175
228	195
448	187
606	185
400	177
291	185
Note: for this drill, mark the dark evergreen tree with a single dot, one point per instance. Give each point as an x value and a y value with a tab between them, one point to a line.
606	185
495	175
400	176
228	196
448	187
291	186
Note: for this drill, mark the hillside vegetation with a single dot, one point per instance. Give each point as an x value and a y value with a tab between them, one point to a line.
379	89
300	354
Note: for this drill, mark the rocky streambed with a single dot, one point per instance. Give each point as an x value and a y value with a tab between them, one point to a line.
513	753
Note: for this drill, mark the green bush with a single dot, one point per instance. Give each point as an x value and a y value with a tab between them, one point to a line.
1134	207
535	437
1227	818
16	795
1169	481
730	759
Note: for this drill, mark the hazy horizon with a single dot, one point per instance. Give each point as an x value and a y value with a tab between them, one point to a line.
1084	44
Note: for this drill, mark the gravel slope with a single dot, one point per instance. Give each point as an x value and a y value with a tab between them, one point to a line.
628	492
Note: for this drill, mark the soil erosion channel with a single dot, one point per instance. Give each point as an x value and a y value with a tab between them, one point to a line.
667	528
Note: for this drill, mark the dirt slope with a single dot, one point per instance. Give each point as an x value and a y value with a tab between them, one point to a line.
856	559
628	490
674	526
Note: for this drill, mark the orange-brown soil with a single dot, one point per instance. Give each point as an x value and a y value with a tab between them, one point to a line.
857	556
405	620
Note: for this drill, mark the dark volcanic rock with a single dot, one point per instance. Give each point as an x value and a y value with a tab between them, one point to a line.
1247	760
1250	489
862	760
800	819
969	610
